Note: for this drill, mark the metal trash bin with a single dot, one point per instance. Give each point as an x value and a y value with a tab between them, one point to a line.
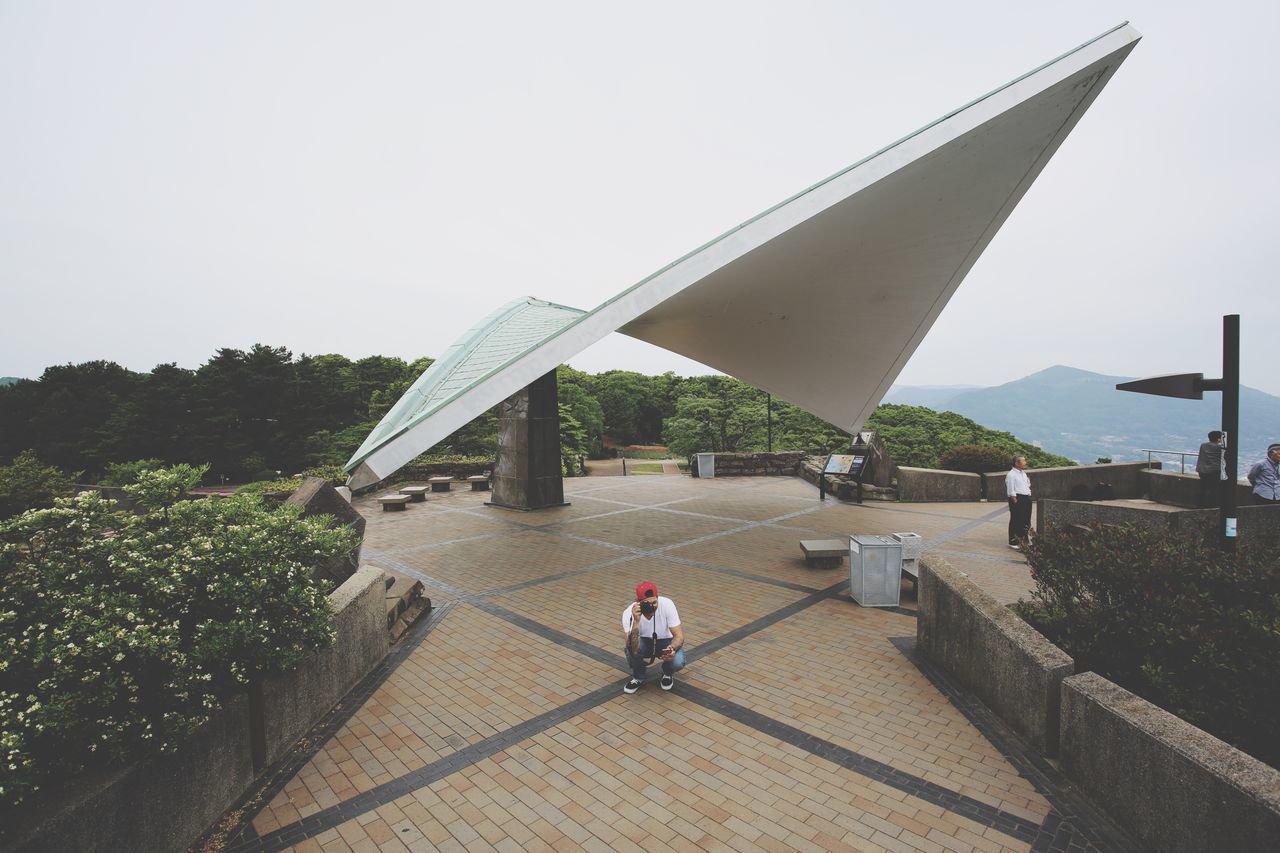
706	464
875	570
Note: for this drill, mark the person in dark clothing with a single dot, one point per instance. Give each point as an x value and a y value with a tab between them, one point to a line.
1209	467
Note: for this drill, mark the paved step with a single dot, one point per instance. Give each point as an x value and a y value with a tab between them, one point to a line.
402	592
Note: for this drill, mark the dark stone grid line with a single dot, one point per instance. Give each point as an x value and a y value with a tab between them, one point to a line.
271	781
350	809
389	791
1073	823
976	810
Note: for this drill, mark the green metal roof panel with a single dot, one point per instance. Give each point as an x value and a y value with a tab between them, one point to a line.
487	347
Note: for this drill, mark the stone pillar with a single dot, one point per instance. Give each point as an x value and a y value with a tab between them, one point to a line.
526	475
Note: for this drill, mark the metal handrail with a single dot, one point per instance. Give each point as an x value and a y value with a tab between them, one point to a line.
1182	454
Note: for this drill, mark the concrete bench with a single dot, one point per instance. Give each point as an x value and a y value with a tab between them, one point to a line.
911	571
393	503
415	493
824	553
479	483
440	484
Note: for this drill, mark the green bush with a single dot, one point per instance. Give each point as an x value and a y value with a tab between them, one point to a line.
121	632
976	459
1187	626
126	473
26	484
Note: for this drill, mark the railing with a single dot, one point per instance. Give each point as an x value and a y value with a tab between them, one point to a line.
1181	454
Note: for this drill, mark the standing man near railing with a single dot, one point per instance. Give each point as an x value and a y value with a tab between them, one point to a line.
1017	486
1264	476
1209	465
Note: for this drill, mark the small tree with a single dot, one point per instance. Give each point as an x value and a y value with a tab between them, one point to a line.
26	484
120	632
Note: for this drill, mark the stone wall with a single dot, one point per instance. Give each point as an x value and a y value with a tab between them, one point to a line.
167	803
931	484
1175	787
842	487
1174	489
1125	479
1252	522
293	702
1005	662
753	464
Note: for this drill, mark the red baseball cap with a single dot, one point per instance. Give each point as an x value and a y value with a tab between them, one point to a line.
645	589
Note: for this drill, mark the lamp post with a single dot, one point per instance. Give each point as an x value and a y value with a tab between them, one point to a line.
1191	386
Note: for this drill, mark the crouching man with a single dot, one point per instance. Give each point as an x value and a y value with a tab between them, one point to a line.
652	630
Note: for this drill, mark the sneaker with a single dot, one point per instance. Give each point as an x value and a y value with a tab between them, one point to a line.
631	686
667	682
1015	546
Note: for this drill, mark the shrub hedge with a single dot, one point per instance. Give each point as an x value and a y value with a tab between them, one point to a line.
121	632
1168	616
975	459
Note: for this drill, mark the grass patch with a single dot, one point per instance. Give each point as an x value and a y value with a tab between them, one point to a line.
645	468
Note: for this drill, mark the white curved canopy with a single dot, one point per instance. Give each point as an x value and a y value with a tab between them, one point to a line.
819	300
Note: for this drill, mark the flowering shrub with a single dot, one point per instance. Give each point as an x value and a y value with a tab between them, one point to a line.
1187	626
120	632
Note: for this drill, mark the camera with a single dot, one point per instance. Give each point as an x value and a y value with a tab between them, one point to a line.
647	607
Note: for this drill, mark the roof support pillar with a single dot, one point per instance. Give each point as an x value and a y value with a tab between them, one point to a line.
527	473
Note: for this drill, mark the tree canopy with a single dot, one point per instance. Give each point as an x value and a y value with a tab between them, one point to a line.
260	413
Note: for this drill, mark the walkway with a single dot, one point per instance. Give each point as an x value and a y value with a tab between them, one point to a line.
802	721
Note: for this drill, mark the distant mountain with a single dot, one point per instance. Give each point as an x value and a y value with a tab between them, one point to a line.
936	397
9	380
1081	415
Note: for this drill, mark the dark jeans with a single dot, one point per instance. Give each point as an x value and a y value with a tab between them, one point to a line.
1259	500
1019	519
1209	489
640	660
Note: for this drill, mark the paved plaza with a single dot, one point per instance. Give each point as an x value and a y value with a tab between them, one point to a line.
802	722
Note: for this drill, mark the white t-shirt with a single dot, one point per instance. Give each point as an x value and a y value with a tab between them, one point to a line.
665	618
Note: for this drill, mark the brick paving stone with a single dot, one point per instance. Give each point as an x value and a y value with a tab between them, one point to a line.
814	732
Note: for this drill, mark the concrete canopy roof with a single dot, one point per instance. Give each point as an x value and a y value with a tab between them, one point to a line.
820	300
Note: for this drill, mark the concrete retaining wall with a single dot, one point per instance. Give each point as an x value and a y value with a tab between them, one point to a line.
1125	478
1253	523
1174	489
1061	513
929	484
166	804
1175	787
295	701
1005	662
753	464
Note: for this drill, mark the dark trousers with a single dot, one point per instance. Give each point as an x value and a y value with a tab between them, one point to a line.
1209	489
1019	519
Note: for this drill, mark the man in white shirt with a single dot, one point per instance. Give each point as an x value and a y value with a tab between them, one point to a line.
652	630
1017	485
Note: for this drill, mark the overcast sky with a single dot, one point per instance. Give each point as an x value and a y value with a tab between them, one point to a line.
374	177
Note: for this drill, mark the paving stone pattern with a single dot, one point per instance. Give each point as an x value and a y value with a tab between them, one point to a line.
803	722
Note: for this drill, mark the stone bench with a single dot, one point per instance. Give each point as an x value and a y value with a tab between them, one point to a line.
824	553
440	484
911	571
393	503
415	493
479	483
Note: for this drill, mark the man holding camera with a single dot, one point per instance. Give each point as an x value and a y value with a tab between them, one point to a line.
652	630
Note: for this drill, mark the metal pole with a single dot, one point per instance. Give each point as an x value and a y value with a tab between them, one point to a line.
769	404
1231	426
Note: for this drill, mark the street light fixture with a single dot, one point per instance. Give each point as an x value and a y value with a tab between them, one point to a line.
1191	386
